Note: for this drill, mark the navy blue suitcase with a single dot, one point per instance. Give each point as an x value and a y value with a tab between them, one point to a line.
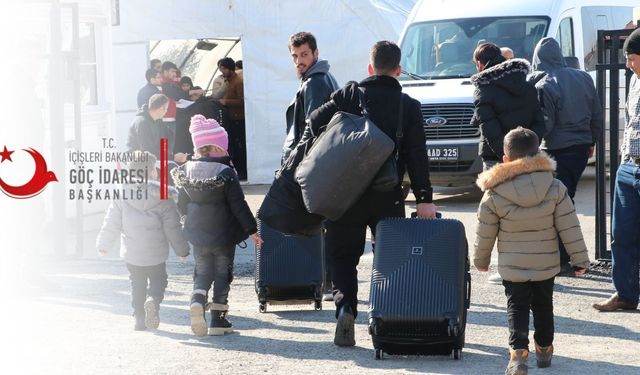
420	287
289	269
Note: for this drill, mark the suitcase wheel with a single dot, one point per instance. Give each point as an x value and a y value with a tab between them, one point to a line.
318	305
379	353
263	307
457	354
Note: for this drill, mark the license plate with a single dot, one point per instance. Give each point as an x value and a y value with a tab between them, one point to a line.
442	153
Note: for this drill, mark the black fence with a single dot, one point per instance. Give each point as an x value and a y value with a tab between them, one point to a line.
611	62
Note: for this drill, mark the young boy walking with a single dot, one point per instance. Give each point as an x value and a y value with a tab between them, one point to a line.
526	208
146	228
218	218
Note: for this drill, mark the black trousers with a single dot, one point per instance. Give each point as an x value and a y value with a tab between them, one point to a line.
346	237
147	281
571	162
238	147
536	296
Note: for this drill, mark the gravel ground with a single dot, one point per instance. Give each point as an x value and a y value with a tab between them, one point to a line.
74	318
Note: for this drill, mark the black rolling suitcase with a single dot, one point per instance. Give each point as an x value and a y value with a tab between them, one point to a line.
289	269
420	287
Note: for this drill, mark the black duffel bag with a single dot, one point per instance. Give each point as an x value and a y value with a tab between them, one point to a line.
283	208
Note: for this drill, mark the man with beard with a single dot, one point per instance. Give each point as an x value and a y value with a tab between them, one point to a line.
316	86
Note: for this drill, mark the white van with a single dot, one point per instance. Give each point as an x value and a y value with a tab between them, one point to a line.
437	46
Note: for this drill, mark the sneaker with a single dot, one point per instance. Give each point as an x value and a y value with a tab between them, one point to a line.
140	325
219	325
543	355
196	310
345	330
517	362
151	310
495	279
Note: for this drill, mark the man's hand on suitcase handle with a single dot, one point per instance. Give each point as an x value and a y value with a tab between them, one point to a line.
258	240
426	210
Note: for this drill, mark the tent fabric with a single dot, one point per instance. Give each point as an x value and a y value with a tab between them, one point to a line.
345	31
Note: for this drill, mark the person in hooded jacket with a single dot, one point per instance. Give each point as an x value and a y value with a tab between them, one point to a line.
525	208
573	117
147	227
503	100
217	218
316	86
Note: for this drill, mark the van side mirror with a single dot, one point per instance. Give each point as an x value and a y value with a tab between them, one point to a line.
572	62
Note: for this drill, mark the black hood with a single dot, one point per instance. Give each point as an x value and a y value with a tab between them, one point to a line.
510	75
547	56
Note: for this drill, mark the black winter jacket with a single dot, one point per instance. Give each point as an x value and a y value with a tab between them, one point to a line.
145	133
316	87
503	101
211	197
382	97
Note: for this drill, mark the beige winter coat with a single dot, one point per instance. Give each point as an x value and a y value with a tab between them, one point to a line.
526	208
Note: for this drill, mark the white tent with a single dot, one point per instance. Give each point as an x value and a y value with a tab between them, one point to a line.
345	30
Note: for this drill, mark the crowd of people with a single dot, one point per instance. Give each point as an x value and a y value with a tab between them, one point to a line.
538	128
224	102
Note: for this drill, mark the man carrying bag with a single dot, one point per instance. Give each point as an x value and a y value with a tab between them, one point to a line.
346	236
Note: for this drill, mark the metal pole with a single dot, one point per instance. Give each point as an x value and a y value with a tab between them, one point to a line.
56	118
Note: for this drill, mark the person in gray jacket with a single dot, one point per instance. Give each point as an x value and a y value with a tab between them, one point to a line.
316	86
573	117
146	228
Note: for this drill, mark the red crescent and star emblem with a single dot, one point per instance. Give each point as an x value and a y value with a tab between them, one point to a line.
41	176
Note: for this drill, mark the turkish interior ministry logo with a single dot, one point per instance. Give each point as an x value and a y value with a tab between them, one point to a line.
38	182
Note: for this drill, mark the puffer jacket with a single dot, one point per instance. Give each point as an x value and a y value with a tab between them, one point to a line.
211	197
569	100
146	227
526	208
503	101
316	87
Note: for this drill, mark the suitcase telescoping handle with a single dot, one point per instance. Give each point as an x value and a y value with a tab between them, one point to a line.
415	215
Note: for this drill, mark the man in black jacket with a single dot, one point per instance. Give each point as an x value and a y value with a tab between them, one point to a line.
346	237
147	128
151	88
503	100
316	86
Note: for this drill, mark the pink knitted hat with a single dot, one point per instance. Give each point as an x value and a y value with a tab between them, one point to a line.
206	131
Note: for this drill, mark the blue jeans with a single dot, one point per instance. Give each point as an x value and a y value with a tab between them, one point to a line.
214	265
570	164
625	241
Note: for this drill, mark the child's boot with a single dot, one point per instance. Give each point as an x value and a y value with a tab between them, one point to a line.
543	355
219	324
139	316
152	313
197	308
518	362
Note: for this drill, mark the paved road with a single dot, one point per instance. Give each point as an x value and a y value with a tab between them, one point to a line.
74	318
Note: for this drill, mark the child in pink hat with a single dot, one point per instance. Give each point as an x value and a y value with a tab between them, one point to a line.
217	219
